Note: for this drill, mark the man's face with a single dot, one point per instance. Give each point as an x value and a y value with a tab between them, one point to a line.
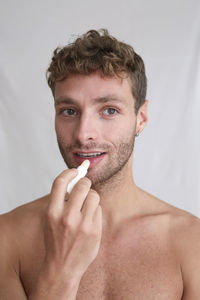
95	120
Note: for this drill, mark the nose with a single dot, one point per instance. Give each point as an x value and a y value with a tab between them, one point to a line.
86	129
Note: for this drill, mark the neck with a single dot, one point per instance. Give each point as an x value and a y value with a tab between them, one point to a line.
119	197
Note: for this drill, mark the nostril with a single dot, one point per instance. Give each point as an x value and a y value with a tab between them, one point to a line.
84	134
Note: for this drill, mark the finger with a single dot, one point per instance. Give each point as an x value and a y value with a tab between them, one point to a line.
90	205
97	220
78	195
59	188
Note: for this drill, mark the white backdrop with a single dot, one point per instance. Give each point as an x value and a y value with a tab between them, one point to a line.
165	33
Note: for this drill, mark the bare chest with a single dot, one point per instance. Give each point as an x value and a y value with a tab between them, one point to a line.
130	269
127	274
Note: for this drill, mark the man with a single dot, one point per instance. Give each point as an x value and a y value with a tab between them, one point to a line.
107	239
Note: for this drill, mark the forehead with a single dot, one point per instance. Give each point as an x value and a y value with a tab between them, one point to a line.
87	87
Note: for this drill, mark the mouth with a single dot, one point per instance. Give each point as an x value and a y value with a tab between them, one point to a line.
89	155
94	157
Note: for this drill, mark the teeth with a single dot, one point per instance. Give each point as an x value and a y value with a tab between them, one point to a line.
89	154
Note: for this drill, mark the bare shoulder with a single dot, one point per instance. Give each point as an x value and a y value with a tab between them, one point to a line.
21	224
184	231
183	226
178	219
24	215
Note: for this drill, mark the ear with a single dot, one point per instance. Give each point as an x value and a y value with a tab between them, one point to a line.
142	117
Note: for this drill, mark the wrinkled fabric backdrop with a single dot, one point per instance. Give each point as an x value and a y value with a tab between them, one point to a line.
165	33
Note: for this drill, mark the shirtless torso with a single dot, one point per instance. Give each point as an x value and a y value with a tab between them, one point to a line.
143	258
107	239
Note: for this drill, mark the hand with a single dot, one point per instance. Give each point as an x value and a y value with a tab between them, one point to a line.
73	227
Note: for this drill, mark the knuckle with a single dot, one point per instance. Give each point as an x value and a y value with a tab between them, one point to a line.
64	177
51	217
84	229
87	230
94	195
58	181
84	183
87	235
67	221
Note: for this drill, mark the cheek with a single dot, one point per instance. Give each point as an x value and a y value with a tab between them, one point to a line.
63	129
123	133
59	130
120	129
57	124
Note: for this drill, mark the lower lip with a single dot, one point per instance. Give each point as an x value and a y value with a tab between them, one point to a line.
93	160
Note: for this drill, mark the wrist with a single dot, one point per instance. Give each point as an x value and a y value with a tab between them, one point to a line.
55	285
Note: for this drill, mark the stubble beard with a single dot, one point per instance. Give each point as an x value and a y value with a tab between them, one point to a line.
110	171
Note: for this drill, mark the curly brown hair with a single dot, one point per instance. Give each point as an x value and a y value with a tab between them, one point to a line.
99	51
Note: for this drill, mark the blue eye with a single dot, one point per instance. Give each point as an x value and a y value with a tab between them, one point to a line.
69	112
110	111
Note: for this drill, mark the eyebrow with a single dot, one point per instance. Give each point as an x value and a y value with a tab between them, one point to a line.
103	99
64	100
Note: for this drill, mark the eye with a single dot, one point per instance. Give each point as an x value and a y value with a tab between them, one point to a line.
110	111
68	112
